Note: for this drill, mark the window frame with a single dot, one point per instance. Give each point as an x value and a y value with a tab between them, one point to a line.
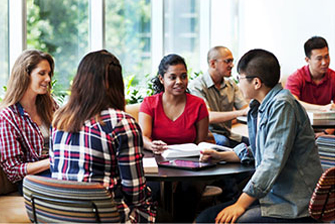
18	36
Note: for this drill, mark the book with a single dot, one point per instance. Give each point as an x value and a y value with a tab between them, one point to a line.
190	149
150	165
321	115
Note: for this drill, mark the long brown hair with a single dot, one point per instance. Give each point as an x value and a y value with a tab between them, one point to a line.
98	85
19	81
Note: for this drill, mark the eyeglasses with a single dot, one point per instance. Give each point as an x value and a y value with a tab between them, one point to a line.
245	77
227	61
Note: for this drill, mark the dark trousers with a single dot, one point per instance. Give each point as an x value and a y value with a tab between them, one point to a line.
187	195
251	215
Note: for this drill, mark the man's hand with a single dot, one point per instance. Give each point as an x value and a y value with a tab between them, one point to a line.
209	154
244	112
230	214
215	156
328	107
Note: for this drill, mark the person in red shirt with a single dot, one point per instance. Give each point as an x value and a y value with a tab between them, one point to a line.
314	84
173	116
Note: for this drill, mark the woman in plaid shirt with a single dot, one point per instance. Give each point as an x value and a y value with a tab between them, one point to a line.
25	117
94	140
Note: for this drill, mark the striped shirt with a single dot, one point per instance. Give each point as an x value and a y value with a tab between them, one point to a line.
21	142
109	152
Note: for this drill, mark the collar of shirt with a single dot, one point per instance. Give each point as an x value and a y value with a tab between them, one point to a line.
308	76
274	91
209	81
19	108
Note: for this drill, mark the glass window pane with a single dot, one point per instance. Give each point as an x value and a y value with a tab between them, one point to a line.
181	30
3	46
61	29
128	35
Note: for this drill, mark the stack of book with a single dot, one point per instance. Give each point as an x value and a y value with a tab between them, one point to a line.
150	165
321	115
326	146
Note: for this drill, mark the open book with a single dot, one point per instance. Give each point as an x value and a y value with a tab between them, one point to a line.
190	149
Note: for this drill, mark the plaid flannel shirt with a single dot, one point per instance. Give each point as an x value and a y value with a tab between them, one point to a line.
109	152
21	142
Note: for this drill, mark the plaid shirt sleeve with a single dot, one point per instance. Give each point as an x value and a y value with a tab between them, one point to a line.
129	156
11	152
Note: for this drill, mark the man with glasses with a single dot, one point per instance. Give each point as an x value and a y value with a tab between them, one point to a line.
282	144
314	84
221	95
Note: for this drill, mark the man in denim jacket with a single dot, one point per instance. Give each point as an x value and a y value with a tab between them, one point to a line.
287	164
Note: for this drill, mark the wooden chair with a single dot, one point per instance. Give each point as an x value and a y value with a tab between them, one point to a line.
133	110
322	204
50	200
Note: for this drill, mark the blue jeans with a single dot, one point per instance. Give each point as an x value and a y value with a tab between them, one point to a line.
225	141
251	215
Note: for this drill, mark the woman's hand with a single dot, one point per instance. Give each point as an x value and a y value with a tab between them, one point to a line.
158	146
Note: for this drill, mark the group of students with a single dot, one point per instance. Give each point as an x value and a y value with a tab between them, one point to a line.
92	139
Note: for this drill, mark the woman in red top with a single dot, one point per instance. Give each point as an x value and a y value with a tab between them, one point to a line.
172	116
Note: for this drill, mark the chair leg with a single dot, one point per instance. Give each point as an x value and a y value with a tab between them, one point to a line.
33	209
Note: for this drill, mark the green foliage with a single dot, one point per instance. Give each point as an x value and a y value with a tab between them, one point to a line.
128	33
61	29
135	90
4	90
59	96
193	75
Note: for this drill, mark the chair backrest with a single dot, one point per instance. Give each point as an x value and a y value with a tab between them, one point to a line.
322	204
326	145
50	200
133	110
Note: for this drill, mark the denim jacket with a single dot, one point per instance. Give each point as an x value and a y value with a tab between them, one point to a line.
287	164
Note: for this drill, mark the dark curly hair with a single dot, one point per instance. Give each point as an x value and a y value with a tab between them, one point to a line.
171	59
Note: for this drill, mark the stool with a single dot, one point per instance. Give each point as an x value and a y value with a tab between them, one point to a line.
211	191
208	197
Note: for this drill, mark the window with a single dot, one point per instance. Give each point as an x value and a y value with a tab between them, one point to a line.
128	35
181	30
3	45
61	29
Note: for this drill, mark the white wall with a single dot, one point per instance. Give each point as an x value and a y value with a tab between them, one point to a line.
280	26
